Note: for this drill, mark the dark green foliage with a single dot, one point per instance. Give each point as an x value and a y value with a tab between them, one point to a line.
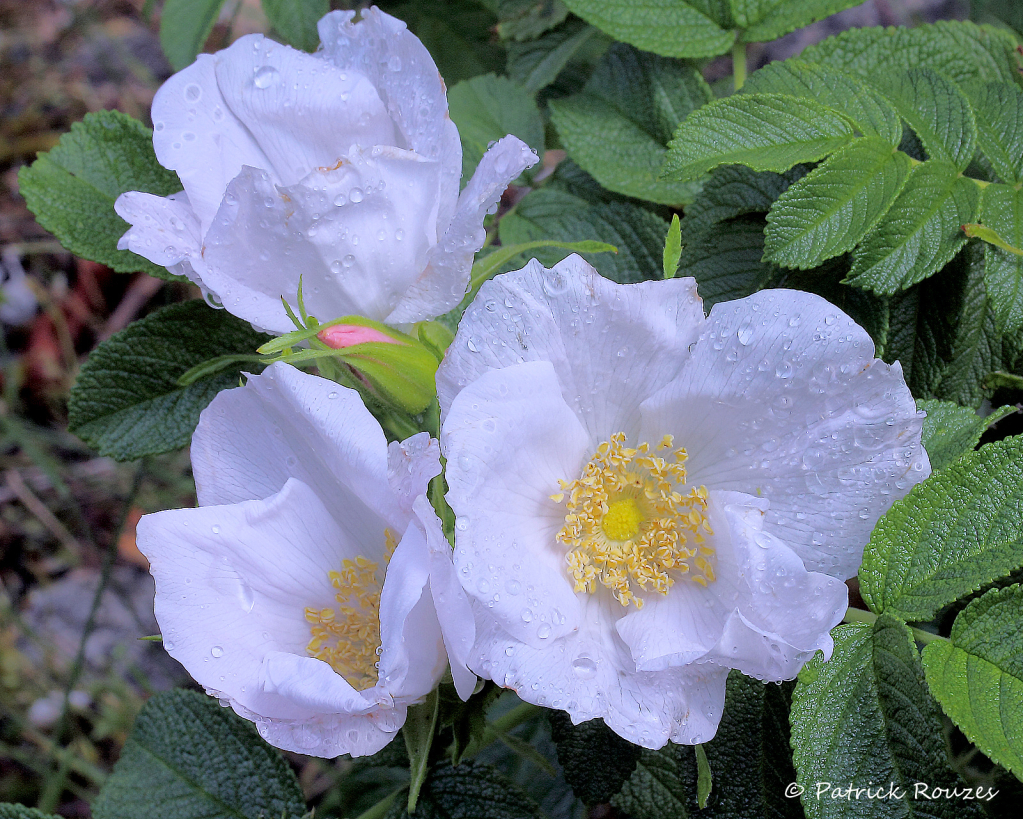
595	760
471	790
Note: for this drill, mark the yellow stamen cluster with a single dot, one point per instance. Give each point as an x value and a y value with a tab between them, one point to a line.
627	524
347	637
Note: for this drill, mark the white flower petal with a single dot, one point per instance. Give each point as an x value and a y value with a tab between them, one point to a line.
196	134
611	345
288	424
509	438
303	111
164	230
382	48
412	649
226	600
443	282
782	398
590	674
356	234
411	465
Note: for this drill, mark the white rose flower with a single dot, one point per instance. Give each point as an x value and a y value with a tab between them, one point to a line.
280	593
648	497
341	167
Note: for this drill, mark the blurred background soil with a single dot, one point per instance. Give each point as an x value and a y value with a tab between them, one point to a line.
75	594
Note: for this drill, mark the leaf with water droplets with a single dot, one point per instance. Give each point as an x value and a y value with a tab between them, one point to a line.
954	533
188	758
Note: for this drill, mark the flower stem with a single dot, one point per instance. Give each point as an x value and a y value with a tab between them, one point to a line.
380	808
860	616
739	64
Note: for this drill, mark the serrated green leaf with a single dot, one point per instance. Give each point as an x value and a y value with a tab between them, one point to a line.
11	811
295	20
953	533
472	790
766	20
126	402
536	64
488	108
550	213
920	233
188	758
936	110
998	112
72	188
864	719
950	431
872	114
977	675
727	261
662	786
616	129
671	28
528	19
185	25
1002	211
959	50
766	132
736	191
720	11
595	760
830	209
976	343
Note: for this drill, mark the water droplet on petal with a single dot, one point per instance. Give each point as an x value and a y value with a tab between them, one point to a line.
217	651
265	76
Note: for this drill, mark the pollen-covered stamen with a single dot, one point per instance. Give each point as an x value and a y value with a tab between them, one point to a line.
628	526
347	637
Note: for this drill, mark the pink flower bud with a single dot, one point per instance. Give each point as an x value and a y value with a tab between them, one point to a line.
345	335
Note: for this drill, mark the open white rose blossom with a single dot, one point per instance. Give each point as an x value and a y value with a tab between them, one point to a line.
341	167
313	588
647	497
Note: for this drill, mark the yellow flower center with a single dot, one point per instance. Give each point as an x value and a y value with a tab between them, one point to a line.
628	526
347	637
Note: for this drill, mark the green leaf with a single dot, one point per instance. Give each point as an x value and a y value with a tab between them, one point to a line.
595	760
864	719
127	403
920	233
736	191
959	50
536	64
472	790
727	261
188	758
72	188
766	20
978	675
661	786
765	132
528	19
1002	211
950	431
418	731
616	129
672	247
185	25
936	110
295	20
869	111
488	108
11	811
998	110
831	208
955	532
976	343
671	28
552	214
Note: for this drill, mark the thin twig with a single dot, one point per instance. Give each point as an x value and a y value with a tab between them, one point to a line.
21	491
135	297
